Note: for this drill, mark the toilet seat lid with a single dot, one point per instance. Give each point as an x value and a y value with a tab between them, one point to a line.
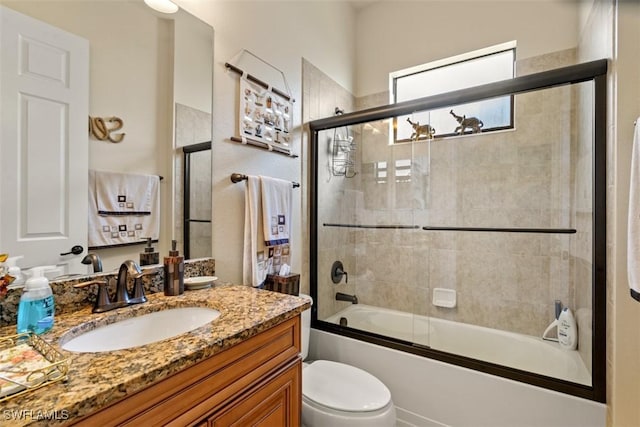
343	387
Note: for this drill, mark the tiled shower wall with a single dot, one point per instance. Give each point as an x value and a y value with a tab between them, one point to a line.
529	177
321	95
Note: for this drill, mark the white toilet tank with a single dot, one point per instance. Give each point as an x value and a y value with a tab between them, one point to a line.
306	328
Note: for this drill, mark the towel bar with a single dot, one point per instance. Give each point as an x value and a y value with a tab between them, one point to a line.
238	177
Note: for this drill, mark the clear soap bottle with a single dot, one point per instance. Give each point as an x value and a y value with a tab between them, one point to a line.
36	307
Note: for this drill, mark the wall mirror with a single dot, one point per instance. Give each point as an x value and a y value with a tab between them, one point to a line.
153	71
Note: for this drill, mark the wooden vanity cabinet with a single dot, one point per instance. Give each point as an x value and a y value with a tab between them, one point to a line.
268	406
256	382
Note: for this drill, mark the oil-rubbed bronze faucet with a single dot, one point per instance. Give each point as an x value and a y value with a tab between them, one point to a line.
131	269
104	303
93	260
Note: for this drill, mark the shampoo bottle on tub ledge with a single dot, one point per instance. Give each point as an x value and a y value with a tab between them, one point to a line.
567	330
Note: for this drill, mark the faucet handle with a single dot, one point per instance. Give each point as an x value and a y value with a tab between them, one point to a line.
90	282
103	302
337	271
138	291
141	273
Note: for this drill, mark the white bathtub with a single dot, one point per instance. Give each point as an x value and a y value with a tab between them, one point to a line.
524	352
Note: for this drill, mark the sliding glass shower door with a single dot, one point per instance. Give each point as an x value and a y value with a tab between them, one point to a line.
462	247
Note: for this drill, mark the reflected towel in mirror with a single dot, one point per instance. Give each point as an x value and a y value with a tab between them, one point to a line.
119	229
125	193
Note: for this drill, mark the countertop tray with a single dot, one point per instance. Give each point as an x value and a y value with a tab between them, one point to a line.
27	362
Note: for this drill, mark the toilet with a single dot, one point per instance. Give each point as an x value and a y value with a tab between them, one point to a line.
339	395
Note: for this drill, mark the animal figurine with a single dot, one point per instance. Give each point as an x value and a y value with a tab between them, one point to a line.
418	130
473	123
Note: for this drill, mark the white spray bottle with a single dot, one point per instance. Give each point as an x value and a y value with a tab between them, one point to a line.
567	330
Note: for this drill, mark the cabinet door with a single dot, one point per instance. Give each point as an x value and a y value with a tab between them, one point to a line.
274	403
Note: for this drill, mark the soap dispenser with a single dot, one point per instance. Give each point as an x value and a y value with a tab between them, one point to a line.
36	307
173	272
13	270
149	256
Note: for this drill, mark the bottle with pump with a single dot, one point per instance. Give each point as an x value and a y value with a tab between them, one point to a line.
567	330
173	272
149	256
13	270
36	307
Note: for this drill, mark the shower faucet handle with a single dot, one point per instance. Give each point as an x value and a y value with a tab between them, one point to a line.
337	271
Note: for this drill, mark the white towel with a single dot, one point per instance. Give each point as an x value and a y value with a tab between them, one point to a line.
276	210
118	230
255	262
633	233
125	193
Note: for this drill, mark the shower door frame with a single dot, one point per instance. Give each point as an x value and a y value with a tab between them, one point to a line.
595	71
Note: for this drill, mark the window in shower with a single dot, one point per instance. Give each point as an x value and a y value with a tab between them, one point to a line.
460	72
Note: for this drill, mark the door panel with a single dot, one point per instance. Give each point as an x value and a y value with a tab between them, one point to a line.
44	92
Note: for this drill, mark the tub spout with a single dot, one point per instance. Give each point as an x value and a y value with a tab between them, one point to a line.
346	297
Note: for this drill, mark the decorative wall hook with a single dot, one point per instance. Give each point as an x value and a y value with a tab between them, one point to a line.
100	130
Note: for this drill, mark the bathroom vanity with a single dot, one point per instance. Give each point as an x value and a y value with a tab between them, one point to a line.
242	367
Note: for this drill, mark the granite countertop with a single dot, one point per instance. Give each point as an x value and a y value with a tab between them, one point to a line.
97	380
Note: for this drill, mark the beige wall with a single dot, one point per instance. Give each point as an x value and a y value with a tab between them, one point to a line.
193	65
281	33
393	35
611	30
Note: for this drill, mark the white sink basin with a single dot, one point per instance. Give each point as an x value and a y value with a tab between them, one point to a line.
142	330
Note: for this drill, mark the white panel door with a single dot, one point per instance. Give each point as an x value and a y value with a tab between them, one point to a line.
44	108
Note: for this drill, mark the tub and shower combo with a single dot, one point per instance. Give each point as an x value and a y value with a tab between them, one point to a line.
451	248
